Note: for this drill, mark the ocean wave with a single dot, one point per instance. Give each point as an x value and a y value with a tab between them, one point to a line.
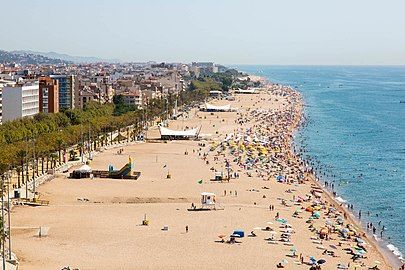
396	251
340	199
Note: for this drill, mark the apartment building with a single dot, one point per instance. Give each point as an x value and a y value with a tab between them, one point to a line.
20	101
48	95
133	98
66	90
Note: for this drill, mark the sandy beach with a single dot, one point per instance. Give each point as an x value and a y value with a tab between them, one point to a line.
97	223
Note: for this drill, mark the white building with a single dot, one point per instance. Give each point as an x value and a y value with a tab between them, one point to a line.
3	83
20	101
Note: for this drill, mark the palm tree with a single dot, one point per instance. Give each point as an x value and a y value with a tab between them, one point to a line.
59	144
72	154
53	157
21	155
80	146
18	170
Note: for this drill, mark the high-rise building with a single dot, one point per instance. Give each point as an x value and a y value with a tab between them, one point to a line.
48	95
66	91
20	101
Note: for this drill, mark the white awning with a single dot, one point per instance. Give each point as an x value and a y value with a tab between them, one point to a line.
180	133
247	91
207	194
217	108
84	168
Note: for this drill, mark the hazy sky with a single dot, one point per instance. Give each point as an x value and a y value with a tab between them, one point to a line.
224	31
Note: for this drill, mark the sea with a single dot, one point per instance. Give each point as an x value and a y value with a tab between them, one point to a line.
355	134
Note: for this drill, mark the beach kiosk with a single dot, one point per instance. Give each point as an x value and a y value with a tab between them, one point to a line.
83	172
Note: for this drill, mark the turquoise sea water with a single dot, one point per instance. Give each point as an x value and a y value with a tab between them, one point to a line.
355	133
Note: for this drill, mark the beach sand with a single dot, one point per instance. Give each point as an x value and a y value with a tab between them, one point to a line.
105	232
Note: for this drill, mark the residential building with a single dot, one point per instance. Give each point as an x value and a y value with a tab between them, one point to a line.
133	98
20	101
66	90
85	96
48	95
3	83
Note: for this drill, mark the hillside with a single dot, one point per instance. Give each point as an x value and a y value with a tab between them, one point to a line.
28	59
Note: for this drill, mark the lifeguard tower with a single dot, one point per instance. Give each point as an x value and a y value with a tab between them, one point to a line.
207	199
208	202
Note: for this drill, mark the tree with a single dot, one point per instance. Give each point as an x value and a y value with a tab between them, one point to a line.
21	155
59	144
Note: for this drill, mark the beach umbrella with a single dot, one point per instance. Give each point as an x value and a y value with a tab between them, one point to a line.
321	261
284	261
359	240
280	220
333	246
309	209
293	249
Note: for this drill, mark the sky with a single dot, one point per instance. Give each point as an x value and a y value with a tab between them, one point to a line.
271	32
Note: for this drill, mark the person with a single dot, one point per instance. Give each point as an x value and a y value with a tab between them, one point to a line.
279	265
186	228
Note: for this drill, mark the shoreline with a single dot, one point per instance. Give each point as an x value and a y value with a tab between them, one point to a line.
390	259
166	202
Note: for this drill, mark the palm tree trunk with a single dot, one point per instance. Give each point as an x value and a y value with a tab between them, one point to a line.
18	180
22	172
42	167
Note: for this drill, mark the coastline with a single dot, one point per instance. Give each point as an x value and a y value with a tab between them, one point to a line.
390	258
165	202
381	247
